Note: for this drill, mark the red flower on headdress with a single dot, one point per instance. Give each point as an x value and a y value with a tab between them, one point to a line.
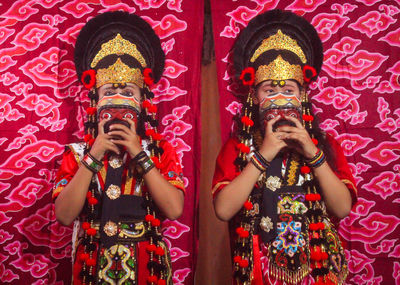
88	78
148	76
247	76
309	73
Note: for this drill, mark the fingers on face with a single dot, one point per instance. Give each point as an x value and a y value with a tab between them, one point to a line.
119	127
296	121
132	124
101	127
270	123
115	133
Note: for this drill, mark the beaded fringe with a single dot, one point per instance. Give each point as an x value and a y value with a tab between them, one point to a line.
290	277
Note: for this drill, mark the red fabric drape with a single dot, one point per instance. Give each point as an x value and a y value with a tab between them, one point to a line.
357	100
42	108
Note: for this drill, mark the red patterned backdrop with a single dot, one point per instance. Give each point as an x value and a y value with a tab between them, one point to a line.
42	108
357	98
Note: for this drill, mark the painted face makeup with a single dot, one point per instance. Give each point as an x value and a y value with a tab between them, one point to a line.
116	109
285	105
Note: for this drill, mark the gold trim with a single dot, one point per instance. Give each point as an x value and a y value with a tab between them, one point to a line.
346	181
110	228
76	155
57	191
115	161
216	186
175	183
279	69
113	192
128	185
125	254
137	233
119	72
167	260
273	183
118	46
279	41
266	224
294	164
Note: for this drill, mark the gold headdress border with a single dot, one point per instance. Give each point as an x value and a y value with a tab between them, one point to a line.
279	69
279	41
119	46
119	73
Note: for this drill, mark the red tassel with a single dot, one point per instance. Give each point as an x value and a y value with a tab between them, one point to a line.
151	248
87	137
85	226
146	104
160	251
91	232
91	110
157	136
149	218
237	259
305	169
150	132
244	263
248	205
91	262
308	118
244	234
84	256
152	279
239	230
156	223
156	161
92	201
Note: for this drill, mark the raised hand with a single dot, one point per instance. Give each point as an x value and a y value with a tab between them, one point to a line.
273	141
103	143
128	137
298	138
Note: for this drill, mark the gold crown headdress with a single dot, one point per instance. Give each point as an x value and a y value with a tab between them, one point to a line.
279	41
119	73
277	70
118	46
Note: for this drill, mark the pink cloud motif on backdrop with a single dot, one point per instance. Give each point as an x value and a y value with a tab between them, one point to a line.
154	4
385	184
173	69
384	153
242	15
76	8
163	91
19	162
168	25
328	24
392	38
373	22
383	247
50	70
180	276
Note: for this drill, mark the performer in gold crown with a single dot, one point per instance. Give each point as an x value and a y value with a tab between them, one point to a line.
282	180
124	177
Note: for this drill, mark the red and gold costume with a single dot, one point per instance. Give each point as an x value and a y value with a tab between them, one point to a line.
132	244
283	234
117	236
